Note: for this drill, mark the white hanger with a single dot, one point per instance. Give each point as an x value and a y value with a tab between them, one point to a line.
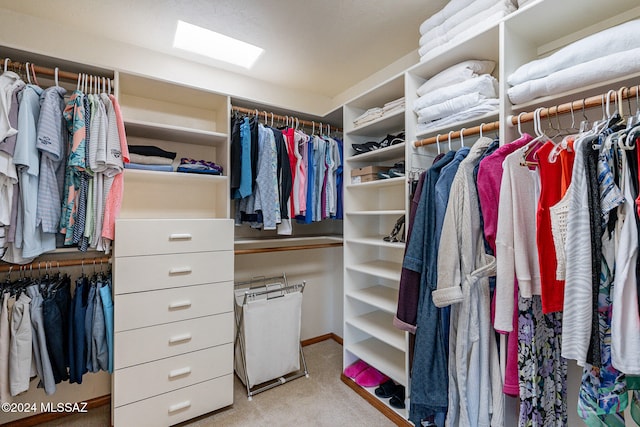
520	124
6	64
450	132
271	119
438	143
109	82
28	74
78	86
462	137
481	127
55	76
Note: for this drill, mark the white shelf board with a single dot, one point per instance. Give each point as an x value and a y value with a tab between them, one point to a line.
381	297
376	241
387	153
385	269
166	132
380	325
443	130
137	174
387	91
379	183
380	212
393	122
388	360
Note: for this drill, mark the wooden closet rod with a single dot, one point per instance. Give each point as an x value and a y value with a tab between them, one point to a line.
286	248
575	106
66	75
54	264
484	127
281	118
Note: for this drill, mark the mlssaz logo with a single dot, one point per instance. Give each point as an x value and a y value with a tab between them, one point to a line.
45	140
115	153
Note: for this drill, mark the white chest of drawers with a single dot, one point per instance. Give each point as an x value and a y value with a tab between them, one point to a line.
173	320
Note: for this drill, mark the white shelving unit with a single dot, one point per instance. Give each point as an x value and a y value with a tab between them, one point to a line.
372	265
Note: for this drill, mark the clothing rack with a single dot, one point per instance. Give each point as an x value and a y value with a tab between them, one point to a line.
568	107
286	248
51	72
63	263
282	118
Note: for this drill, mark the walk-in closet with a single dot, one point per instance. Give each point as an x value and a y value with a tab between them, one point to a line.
420	213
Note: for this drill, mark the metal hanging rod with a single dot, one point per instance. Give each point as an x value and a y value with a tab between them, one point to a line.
66	75
281	118
54	264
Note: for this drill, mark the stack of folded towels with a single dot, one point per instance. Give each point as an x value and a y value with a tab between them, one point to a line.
460	93
150	157
375	113
458	20
606	55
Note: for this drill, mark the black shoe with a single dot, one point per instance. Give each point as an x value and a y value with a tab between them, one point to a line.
397	228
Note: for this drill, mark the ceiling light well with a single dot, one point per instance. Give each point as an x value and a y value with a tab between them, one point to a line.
214	45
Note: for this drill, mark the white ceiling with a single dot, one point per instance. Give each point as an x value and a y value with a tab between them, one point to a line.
322	46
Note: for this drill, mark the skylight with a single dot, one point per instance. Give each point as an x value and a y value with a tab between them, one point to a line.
214	45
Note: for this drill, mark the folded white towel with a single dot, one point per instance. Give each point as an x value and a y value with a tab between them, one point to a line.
470	11
616	39
399	101
370	114
449	107
472	25
456	74
451	8
597	70
458	120
486	85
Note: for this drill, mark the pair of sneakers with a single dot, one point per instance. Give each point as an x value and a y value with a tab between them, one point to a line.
388	141
394	172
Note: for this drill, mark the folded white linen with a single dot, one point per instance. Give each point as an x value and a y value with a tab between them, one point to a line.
456	74
456	120
470	11
450	9
449	107
370	114
392	110
149	160
399	101
472	25
616	39
485	85
522	3
597	70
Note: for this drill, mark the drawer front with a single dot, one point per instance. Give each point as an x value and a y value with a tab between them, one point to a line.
177	406
159	342
154	378
146	273
169	236
132	311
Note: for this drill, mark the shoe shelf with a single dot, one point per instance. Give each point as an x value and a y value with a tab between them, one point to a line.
378	296
385	358
379	324
379	183
380	268
391	121
381	155
376	241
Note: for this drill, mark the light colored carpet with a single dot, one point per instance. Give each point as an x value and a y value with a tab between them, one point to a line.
320	400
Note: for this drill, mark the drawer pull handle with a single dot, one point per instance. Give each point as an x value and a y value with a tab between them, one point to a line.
180	338
179	372
180	270
179	406
180	304
180	236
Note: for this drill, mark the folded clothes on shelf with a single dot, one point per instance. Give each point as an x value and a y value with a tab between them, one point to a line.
369	115
485	85
188	165
151	150
139	166
149	160
456	74
487	106
449	107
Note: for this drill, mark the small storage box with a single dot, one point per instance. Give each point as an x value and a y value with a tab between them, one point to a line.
367	173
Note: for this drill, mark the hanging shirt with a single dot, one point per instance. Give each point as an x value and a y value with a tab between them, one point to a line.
300	177
9	81
266	194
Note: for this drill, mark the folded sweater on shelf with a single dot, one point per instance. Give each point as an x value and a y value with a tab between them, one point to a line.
149	160
580	75
486	85
486	106
472	10
456	74
620	38
139	166
449	107
151	150
466	29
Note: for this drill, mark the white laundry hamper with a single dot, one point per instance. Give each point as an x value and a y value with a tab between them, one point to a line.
268	314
